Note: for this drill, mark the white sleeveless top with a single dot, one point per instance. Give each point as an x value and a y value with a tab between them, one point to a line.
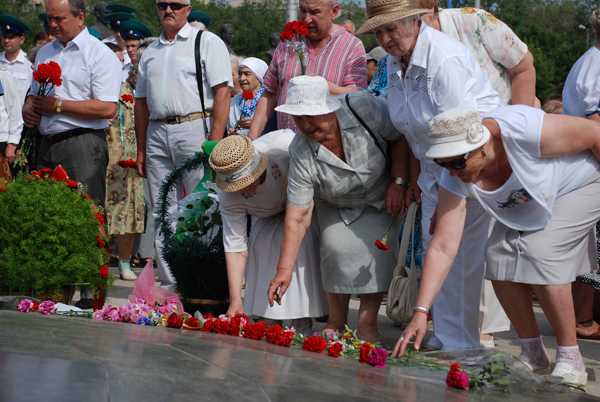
525	201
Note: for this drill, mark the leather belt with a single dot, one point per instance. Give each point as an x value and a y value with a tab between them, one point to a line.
54	138
183	119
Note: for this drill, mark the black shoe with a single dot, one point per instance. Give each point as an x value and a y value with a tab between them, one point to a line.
85	304
323	318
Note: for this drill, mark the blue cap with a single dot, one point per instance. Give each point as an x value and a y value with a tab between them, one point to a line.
134	30
120	8
199	16
115	19
94	33
43	18
10	25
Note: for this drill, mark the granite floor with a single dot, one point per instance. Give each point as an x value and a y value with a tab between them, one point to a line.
50	358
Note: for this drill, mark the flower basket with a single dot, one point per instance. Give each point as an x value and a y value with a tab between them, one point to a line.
198	265
63	295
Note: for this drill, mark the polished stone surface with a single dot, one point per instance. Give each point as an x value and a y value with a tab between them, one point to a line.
75	359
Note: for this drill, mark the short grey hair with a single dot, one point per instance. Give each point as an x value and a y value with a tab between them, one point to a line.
198	25
348	22
142	46
236	60
133	76
32	54
76	7
406	21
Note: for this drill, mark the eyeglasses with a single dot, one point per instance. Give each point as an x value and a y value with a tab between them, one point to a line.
174	6
457	164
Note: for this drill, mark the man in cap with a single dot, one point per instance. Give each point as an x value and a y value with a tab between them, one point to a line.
168	111
199	17
115	19
100	11
73	117
11	121
13	58
47	34
132	33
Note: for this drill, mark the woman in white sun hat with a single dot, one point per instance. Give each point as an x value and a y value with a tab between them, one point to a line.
535	174
338	167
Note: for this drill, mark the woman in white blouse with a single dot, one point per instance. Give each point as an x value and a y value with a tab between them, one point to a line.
535	174
253	178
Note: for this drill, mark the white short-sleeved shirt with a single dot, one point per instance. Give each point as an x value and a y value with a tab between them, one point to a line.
442	74
11	119
525	201
20	69
581	93
90	70
494	45
126	60
167	73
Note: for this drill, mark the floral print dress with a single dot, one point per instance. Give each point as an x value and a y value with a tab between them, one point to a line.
124	187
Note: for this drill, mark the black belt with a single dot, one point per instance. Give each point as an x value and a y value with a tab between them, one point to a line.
54	138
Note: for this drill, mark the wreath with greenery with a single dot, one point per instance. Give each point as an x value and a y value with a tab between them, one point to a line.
197	262
52	235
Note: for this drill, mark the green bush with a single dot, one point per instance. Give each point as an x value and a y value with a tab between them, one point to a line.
47	237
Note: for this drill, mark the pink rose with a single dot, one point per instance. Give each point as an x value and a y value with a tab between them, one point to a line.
377	357
457	379
165	309
47	307
113	315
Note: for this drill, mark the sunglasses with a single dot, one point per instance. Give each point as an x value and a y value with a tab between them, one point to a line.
174	6
457	164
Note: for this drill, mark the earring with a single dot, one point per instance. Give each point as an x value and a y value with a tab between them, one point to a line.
483	153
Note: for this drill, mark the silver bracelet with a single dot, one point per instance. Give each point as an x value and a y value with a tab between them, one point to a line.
423	309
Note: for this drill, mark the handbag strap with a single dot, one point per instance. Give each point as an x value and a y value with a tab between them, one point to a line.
199	78
360	120
409	224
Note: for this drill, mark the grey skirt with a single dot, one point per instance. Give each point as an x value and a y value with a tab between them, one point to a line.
555	255
350	261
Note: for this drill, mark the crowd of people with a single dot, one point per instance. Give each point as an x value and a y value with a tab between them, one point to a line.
441	112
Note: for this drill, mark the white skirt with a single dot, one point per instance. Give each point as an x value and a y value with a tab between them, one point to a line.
305	296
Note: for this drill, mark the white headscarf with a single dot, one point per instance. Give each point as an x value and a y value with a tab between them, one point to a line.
258	67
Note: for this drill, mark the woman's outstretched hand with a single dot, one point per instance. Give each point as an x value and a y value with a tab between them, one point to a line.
417	328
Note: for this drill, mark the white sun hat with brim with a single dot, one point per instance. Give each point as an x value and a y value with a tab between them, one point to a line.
308	96
456	132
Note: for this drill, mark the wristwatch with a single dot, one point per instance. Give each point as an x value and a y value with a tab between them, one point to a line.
59	106
400	181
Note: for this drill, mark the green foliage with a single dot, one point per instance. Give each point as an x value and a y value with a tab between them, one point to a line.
47	237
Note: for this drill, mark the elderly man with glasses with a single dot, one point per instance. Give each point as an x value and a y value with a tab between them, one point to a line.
171	121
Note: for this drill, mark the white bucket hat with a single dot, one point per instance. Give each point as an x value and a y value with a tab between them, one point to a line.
456	132
308	96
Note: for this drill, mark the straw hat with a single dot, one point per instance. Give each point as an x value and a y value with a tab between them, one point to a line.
308	96
456	132
381	12
237	163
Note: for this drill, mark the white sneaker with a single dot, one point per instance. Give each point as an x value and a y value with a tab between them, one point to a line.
533	367
128	275
566	371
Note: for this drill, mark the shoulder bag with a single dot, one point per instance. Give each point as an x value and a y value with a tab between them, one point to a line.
199	79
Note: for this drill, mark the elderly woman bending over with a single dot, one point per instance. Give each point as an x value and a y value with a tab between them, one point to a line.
535	174
338	167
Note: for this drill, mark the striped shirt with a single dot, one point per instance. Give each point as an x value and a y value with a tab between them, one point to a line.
342	60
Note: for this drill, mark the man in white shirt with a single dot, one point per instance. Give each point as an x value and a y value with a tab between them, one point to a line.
11	122
74	115
169	120
13	58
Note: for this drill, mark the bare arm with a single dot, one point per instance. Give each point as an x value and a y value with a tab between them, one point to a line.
297	221
236	265
395	195
335	89
89	109
413	193
220	110
142	119
563	135
440	256
523	81
263	113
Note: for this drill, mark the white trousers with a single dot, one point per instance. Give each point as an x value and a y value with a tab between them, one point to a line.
455	310
167	145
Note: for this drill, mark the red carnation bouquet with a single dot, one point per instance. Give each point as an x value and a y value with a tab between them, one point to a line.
294	34
48	75
249	96
126	101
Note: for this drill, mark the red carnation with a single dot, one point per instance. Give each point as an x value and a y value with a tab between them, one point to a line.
3	189
103	272
365	349
192	324
248	95
72	184
256	331
99	241
100	218
335	349
381	245
48	73
208	325
273	333
454	367
127	98
314	344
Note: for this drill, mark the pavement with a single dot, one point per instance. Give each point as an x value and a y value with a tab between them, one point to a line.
507	342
